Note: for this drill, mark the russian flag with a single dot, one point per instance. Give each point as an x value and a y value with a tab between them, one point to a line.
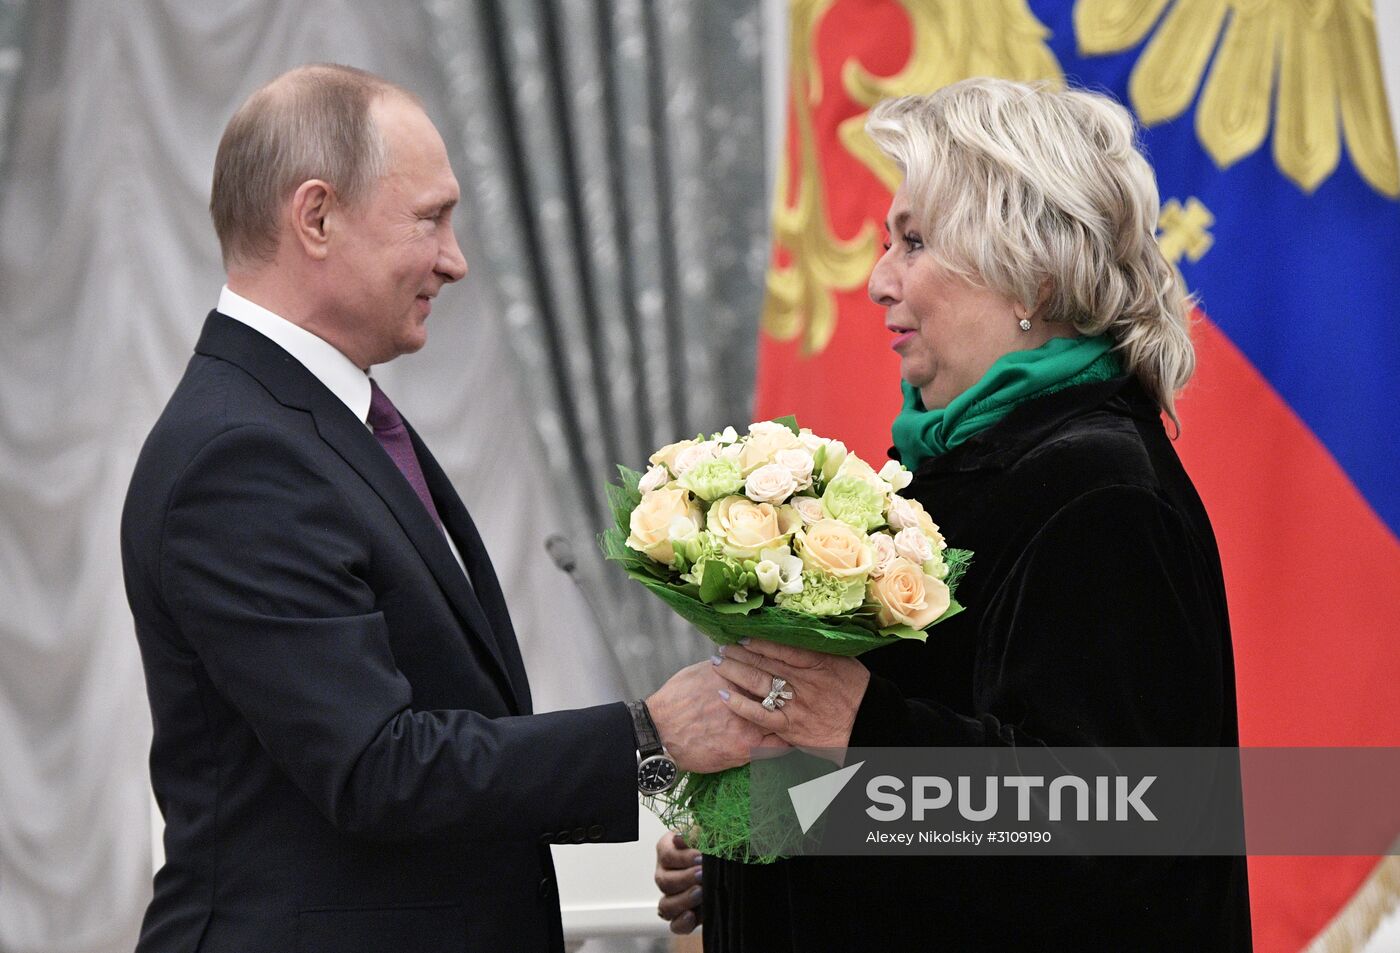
1270	130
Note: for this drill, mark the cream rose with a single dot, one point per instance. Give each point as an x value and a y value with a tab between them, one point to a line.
771	483
905	595
689	458
655	479
653	522
666	456
763	446
798	462
809	508
913	545
882	546
834	548
746	528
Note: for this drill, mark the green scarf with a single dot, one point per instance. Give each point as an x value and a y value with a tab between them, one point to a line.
1013	379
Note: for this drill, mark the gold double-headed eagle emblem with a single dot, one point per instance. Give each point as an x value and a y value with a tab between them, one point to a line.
1308	69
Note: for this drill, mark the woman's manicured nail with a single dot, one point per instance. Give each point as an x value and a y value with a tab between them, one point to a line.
723	694
715	660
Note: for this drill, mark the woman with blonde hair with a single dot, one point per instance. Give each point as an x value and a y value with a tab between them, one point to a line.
1042	337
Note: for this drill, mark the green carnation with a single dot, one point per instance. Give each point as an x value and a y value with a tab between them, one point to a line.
855	503
713	479
824	595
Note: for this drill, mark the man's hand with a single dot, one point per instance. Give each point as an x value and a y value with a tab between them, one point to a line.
678	877
826	690
697	726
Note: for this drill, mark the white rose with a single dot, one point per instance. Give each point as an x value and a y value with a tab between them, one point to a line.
895	475
901	514
692	456
731	451
770	484
798	462
655	478
811	441
809	508
913	545
885	553
766	426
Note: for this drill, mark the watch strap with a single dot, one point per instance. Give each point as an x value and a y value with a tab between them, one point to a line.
648	741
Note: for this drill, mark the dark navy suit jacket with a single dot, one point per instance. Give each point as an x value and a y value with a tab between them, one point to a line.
344	749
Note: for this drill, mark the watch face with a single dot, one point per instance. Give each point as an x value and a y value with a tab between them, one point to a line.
656	774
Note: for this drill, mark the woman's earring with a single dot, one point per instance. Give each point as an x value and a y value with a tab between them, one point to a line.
1025	324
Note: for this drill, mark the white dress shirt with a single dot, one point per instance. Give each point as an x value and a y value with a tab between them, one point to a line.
342	378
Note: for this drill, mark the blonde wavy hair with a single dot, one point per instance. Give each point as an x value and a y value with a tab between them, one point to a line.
1029	190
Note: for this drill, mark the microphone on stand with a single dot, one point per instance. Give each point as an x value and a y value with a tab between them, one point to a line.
562	552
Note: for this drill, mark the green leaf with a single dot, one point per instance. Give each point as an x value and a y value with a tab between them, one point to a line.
739	608
790	422
716	584
904	632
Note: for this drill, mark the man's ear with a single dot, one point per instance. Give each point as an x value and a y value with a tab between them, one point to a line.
312	204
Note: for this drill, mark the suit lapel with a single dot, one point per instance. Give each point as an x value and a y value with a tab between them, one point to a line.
295	386
483	576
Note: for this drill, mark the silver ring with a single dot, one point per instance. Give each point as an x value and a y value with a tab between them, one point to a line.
777	697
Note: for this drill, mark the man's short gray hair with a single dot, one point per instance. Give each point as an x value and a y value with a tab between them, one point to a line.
1020	186
313	122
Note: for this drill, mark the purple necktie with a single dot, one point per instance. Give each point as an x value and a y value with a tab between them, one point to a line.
393	436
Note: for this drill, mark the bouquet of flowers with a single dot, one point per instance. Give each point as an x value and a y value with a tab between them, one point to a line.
782	535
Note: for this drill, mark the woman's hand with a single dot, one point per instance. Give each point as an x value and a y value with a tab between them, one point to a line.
826	691
678	877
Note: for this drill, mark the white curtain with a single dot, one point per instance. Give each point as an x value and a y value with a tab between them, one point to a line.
107	267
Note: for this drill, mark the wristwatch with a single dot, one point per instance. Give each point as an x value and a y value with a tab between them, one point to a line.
656	770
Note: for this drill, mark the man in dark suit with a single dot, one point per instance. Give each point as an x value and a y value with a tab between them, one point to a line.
344	748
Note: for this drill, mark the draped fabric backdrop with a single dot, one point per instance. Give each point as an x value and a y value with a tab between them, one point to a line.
613	217
611	152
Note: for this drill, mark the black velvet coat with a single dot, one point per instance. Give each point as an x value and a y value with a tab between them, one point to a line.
1095	616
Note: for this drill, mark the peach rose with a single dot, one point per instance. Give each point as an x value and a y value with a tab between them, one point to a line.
652	520
746	528
833	547
905	595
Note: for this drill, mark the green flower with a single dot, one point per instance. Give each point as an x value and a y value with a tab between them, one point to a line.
713	479
854	502
824	595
